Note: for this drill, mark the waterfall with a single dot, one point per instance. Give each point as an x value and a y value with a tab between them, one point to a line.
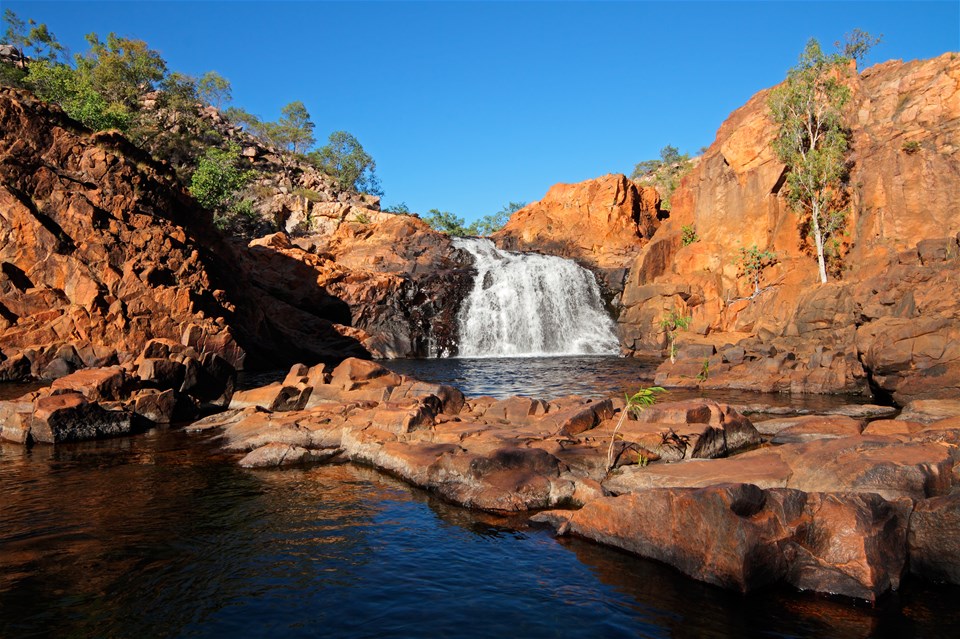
524	304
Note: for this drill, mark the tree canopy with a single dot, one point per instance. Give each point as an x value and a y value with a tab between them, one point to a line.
293	131
446	222
344	159
214	89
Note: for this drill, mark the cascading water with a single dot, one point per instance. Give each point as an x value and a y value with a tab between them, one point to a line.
527	305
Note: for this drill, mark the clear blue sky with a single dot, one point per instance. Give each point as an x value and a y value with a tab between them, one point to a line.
469	105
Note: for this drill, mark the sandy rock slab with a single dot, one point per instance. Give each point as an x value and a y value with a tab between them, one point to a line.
892	467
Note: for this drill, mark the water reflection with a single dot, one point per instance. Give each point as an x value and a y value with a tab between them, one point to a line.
153	535
552	377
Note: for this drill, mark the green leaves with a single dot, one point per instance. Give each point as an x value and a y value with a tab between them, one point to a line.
218	178
292	132
635	404
812	139
644	397
752	262
489	224
665	174
344	159
446	222
214	89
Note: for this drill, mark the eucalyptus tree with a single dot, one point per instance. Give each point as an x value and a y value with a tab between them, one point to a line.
812	140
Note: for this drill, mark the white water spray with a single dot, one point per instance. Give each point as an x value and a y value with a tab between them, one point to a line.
528	305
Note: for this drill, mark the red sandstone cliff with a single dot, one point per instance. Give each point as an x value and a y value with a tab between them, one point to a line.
889	317
101	250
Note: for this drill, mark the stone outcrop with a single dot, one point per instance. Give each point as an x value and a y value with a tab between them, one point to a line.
601	223
690	483
166	382
882	325
402	280
102	250
741	537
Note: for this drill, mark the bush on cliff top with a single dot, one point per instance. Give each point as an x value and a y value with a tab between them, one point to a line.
663	174
121	83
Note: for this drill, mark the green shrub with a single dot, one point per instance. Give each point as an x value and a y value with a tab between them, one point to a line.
219	178
910	147
752	261
688	234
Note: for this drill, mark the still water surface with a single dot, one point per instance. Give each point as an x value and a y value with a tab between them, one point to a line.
159	535
155	536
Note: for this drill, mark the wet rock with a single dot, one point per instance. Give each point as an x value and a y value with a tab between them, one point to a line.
276	455
934	545
506	479
70	417
741	537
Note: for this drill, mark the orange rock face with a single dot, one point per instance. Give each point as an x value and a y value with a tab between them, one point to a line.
601	223
98	247
101	251
900	247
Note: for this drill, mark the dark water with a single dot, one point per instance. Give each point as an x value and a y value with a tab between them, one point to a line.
151	537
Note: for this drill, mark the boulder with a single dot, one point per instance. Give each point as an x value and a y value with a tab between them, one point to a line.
353	374
934	544
273	397
155	406
94	383
15	420
741	537
70	417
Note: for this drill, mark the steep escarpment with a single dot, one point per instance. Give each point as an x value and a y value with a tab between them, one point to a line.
102	250
883	321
